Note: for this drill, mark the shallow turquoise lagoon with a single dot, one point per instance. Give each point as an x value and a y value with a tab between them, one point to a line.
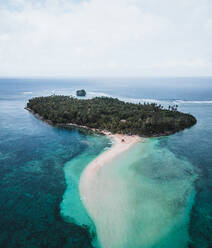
71	207
143	198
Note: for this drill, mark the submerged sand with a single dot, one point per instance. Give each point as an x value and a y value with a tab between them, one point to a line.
121	143
138	197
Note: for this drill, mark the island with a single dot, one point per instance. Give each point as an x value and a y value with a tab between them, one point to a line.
81	92
105	114
126	124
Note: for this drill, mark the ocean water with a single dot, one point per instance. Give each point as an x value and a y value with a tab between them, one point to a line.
158	194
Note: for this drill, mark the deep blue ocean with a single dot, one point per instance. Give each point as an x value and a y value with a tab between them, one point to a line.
33	155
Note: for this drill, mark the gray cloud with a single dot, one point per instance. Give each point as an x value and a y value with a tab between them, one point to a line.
106	38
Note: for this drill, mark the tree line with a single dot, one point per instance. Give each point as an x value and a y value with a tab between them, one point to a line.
105	113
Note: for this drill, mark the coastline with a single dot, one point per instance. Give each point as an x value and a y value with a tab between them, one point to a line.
121	144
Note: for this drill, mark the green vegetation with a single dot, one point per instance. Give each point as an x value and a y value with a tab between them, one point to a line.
112	114
81	93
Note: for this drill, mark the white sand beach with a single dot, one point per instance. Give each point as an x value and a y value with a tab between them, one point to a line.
121	144
92	189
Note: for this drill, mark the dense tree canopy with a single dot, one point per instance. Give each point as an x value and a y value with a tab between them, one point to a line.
111	114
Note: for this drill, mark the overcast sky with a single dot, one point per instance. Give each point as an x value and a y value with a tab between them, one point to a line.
105	38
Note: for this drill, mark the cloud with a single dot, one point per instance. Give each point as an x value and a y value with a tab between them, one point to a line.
105	38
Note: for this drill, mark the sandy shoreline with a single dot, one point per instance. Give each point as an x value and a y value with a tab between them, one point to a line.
120	145
89	184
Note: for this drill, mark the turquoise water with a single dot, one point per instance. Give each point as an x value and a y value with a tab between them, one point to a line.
158	194
143	198
71	207
32	182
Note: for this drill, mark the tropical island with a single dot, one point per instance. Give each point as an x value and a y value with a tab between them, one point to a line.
126	124
112	115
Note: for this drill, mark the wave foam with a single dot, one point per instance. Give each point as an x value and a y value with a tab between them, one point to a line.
27	92
151	100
